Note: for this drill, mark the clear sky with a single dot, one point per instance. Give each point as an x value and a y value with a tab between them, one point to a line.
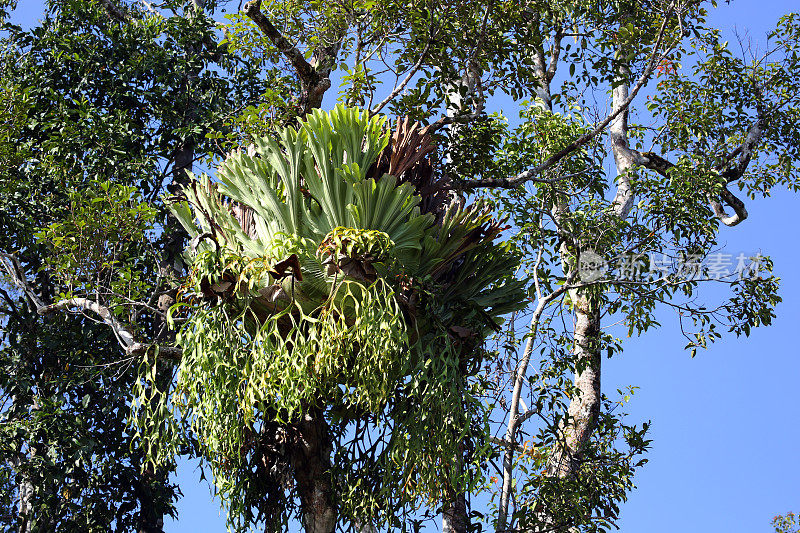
725	425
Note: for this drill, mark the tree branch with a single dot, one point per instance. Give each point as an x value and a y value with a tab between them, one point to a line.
114	11
124	336
555	53
414	69
515	419
314	78
624	157
15	274
452	119
303	68
730	174
529	175
739	211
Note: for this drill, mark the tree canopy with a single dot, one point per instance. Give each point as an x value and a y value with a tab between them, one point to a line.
365	317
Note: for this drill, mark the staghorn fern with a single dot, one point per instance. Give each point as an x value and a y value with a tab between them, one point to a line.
317	283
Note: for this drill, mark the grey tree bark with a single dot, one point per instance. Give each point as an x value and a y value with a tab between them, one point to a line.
584	408
25	507
454	516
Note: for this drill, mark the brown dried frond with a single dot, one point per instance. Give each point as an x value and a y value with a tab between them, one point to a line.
411	144
244	215
408	157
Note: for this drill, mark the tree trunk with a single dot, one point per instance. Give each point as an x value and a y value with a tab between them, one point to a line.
311	463
462	97
455	518
25	485
454	515
365	527
25	493
584	409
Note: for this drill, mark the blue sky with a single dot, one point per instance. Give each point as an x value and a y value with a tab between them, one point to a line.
725	425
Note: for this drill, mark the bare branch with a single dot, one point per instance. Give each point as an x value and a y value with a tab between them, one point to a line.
12	308
624	157
452	119
514	418
314	77
149	7
505	444
545	70
17	277
739	211
169	352
730	174
124	336
555	53
402	85
745	150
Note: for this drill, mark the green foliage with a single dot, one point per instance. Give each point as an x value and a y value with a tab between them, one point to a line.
704	108
320	288
591	498
356	243
64	430
14	106
92	111
96	245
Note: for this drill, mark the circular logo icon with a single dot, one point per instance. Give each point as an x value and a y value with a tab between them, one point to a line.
591	266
